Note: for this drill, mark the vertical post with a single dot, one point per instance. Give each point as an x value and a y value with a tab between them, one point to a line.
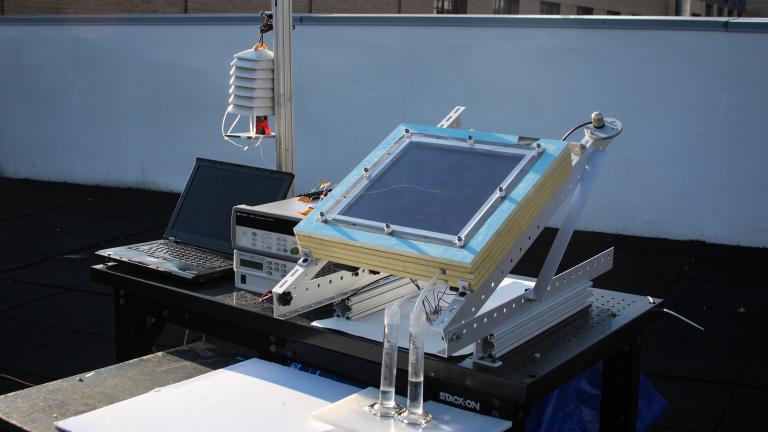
621	385
136	330
283	28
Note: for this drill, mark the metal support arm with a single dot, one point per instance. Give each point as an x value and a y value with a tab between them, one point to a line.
461	324
575	208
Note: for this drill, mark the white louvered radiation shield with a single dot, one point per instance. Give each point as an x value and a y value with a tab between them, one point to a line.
251	95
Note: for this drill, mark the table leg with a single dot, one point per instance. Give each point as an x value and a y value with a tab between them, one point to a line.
621	384
521	414
137	327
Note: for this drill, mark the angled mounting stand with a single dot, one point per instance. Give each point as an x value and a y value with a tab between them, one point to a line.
468	319
569	293
552	299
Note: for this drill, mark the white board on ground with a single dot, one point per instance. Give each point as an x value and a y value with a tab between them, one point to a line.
248	396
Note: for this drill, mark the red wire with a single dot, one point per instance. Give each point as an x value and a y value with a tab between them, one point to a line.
442	295
429	320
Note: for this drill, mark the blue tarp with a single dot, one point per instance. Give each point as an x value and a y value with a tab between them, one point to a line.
575	406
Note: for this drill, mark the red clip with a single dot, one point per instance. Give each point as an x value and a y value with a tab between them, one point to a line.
262	126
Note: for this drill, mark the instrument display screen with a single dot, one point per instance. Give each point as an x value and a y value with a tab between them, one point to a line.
256	265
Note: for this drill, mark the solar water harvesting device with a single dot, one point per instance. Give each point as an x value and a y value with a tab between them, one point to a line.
458	208
467	205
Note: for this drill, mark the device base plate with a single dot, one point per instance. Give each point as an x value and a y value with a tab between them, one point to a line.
350	414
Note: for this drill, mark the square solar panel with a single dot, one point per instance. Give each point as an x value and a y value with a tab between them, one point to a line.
432	188
429	198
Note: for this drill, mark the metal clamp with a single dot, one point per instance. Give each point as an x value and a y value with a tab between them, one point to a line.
314	283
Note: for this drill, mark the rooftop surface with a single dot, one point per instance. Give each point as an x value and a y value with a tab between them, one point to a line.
56	323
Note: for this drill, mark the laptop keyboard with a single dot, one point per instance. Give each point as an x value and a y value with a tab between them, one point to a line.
185	254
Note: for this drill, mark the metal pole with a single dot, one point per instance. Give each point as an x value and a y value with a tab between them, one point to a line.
283	27
684	7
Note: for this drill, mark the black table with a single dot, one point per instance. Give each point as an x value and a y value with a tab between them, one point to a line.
37	408
610	330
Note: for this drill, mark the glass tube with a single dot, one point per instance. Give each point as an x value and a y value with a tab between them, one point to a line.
414	412
386	406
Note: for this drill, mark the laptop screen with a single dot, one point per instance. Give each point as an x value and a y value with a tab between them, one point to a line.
202	215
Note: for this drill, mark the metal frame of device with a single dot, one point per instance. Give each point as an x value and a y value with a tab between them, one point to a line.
374	297
553	298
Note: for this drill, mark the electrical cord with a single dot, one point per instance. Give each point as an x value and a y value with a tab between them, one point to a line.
266	26
680	317
574	130
17	380
232	126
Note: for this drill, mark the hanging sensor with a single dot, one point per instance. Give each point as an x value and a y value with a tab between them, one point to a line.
251	93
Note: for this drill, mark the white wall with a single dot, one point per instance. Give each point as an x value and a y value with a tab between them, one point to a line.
134	104
127	105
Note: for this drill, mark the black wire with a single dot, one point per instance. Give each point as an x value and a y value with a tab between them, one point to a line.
574	130
17	380
413	281
266	26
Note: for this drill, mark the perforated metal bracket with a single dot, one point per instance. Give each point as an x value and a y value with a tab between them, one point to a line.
453	119
455	304
517	331
314	283
519	319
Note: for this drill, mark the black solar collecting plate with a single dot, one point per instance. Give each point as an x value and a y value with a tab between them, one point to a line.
432	188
